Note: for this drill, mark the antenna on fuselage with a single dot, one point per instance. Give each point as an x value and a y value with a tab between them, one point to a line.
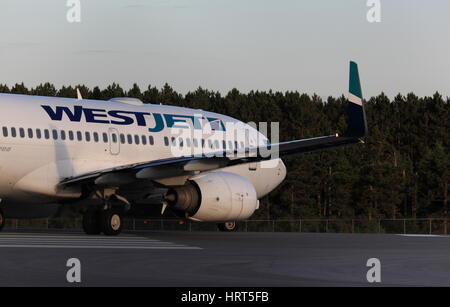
79	97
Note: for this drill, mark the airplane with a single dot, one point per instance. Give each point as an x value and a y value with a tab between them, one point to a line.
122	154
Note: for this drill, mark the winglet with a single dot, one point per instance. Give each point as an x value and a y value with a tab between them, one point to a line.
79	97
357	124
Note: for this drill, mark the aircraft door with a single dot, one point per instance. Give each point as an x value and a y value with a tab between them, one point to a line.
114	143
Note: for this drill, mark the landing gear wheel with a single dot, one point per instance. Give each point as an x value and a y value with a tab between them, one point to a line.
2	220
91	221
228	226
111	222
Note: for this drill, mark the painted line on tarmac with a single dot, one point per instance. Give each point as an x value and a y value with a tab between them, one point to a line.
87	242
99	247
422	236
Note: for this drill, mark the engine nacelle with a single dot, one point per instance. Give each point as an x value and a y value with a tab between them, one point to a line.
215	197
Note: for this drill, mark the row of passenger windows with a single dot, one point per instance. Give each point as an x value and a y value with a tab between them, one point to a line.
124	139
213	144
76	135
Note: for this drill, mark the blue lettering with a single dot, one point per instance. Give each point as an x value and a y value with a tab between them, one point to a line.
159	123
140	118
171	121
58	113
90	116
125	119
216	124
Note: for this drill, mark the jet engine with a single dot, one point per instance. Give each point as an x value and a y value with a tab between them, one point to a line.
214	197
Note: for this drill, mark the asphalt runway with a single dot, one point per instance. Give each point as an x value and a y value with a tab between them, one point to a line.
223	259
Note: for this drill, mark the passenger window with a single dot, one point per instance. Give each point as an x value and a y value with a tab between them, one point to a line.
195	142
38	133
136	139
114	138
13	132
188	142
144	139
224	145
21	132
181	142
210	144
55	134
71	135
30	133
166	141
129	139
174	141
122	138
95	137
63	135
5	131
203	143
151	140
46	134
79	136
88	136
105	137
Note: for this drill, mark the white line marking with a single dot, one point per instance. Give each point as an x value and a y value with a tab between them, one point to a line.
76	237
422	236
87	242
81	240
99	247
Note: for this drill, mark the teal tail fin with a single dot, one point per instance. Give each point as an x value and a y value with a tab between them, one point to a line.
357	124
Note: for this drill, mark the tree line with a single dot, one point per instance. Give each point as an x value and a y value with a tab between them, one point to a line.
402	170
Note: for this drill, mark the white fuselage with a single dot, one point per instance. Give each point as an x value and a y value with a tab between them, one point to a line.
44	140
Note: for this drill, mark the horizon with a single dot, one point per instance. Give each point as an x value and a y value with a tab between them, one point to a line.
142	90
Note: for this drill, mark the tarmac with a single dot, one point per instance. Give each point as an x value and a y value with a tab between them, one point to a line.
199	259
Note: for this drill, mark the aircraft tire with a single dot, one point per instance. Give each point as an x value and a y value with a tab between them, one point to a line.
91	221
111	222
227	227
2	220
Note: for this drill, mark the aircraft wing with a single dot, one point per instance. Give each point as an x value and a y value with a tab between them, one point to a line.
179	166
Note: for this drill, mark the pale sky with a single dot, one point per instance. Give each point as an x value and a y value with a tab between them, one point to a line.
221	44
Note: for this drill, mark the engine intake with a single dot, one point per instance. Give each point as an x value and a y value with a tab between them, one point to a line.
215	197
184	198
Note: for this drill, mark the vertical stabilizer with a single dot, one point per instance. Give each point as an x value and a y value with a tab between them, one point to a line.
357	124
